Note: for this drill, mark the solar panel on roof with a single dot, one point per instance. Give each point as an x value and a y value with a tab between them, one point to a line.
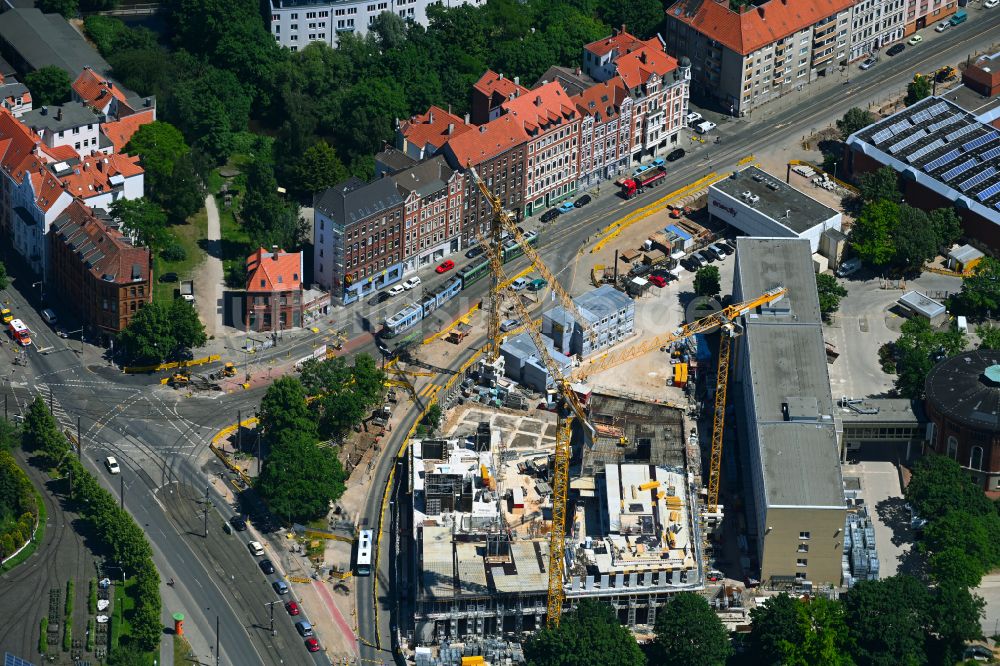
990	191
11	660
908	141
944	159
964	166
903	124
938	109
950	120
881	136
990	154
921	116
969	183
980	141
920	152
960	132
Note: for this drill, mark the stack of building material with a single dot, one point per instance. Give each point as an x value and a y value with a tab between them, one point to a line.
860	560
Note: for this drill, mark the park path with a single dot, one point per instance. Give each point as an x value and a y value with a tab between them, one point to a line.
209	283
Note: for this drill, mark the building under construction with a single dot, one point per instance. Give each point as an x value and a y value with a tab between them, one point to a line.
482	511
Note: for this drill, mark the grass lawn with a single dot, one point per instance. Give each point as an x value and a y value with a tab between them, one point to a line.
182	651
187	235
124	605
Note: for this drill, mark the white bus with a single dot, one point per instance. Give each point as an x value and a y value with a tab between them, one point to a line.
363	563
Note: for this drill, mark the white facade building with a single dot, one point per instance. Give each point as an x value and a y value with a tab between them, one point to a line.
295	23
73	124
876	24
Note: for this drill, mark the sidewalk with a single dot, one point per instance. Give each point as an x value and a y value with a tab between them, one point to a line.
209	279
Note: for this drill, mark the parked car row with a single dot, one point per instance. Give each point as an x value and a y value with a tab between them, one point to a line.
708	255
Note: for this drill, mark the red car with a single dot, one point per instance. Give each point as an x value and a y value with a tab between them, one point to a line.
658	280
446	266
292	608
312	645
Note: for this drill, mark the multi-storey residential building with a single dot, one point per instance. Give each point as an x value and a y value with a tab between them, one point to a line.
425	134
72	124
922	13
14	95
295	23
274	291
605	131
433	196
96	271
489	94
551	122
746	58
498	150
875	24
657	84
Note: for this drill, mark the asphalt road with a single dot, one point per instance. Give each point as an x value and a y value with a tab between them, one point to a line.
160	437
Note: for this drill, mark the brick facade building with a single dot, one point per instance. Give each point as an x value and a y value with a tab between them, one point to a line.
274	291
97	271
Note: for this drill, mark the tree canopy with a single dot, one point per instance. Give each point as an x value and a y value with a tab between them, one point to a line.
48	85
989	337
344	394
284	408
980	295
162	330
689	632
590	635
830	292
916	351
854	120
887	620
917	89
300	478
880	185
142	220
707	281
890	233
789	631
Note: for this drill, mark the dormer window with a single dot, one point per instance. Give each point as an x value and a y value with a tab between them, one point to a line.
262	283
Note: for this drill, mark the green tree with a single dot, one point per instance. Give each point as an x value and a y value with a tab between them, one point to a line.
159	146
915	237
689	632
955	620
707	281
143	220
590	635
300	478
887	621
939	485
111	35
433	417
266	216
980	293
48	85
830	292
989	337
162	330
68	8
343	393
917	350
947	226
872	233
4	280
642	18
189	332
40	432
284	409
182	194
389	30
128	654
854	120
880	185
10	435
773	627
917	89
319	167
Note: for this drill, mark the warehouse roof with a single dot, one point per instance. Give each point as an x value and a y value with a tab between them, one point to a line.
765	263
944	148
801	465
47	39
966	389
774	198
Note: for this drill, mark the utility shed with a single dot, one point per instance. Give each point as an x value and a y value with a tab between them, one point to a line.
963	258
919	305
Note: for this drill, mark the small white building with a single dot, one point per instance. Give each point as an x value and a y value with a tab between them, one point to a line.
762	205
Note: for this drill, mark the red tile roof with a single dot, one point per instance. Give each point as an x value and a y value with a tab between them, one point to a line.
274	271
541	108
119	132
92	176
621	41
637	66
112	254
487	141
603	99
95	90
755	27
492	83
433	127
16	141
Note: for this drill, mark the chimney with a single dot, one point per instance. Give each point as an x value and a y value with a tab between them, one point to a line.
100	165
482	129
577	70
642	57
59	113
467	119
538	100
517	80
623	29
45	110
760	10
451	128
431	117
500	76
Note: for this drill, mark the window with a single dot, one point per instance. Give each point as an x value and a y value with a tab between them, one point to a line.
953	448
801	562
804	535
976	459
803	548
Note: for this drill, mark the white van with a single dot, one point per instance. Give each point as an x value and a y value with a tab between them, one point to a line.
849	267
519	284
49	316
962	323
705	127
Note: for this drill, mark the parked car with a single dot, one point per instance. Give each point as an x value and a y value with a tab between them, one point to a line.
266	566
304	628
292	607
725	247
658	162
396	290
704	127
707	256
112	465
716	252
537	285
566	206
666	275
916	39
658	280
693	118
312	645
280	586
868	63
168	277
697	260
239	523
895	49
380	297
942	26
519	284
49	316
445	266
582	201
509	325
676	155
550	215
411	283
990	4
474	252
256	548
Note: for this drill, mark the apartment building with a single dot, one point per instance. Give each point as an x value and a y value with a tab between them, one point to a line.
14	95
423	135
876	24
97	272
433	195
296	23
657	84
489	94
922	13
498	150
274	291
747	58
605	131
